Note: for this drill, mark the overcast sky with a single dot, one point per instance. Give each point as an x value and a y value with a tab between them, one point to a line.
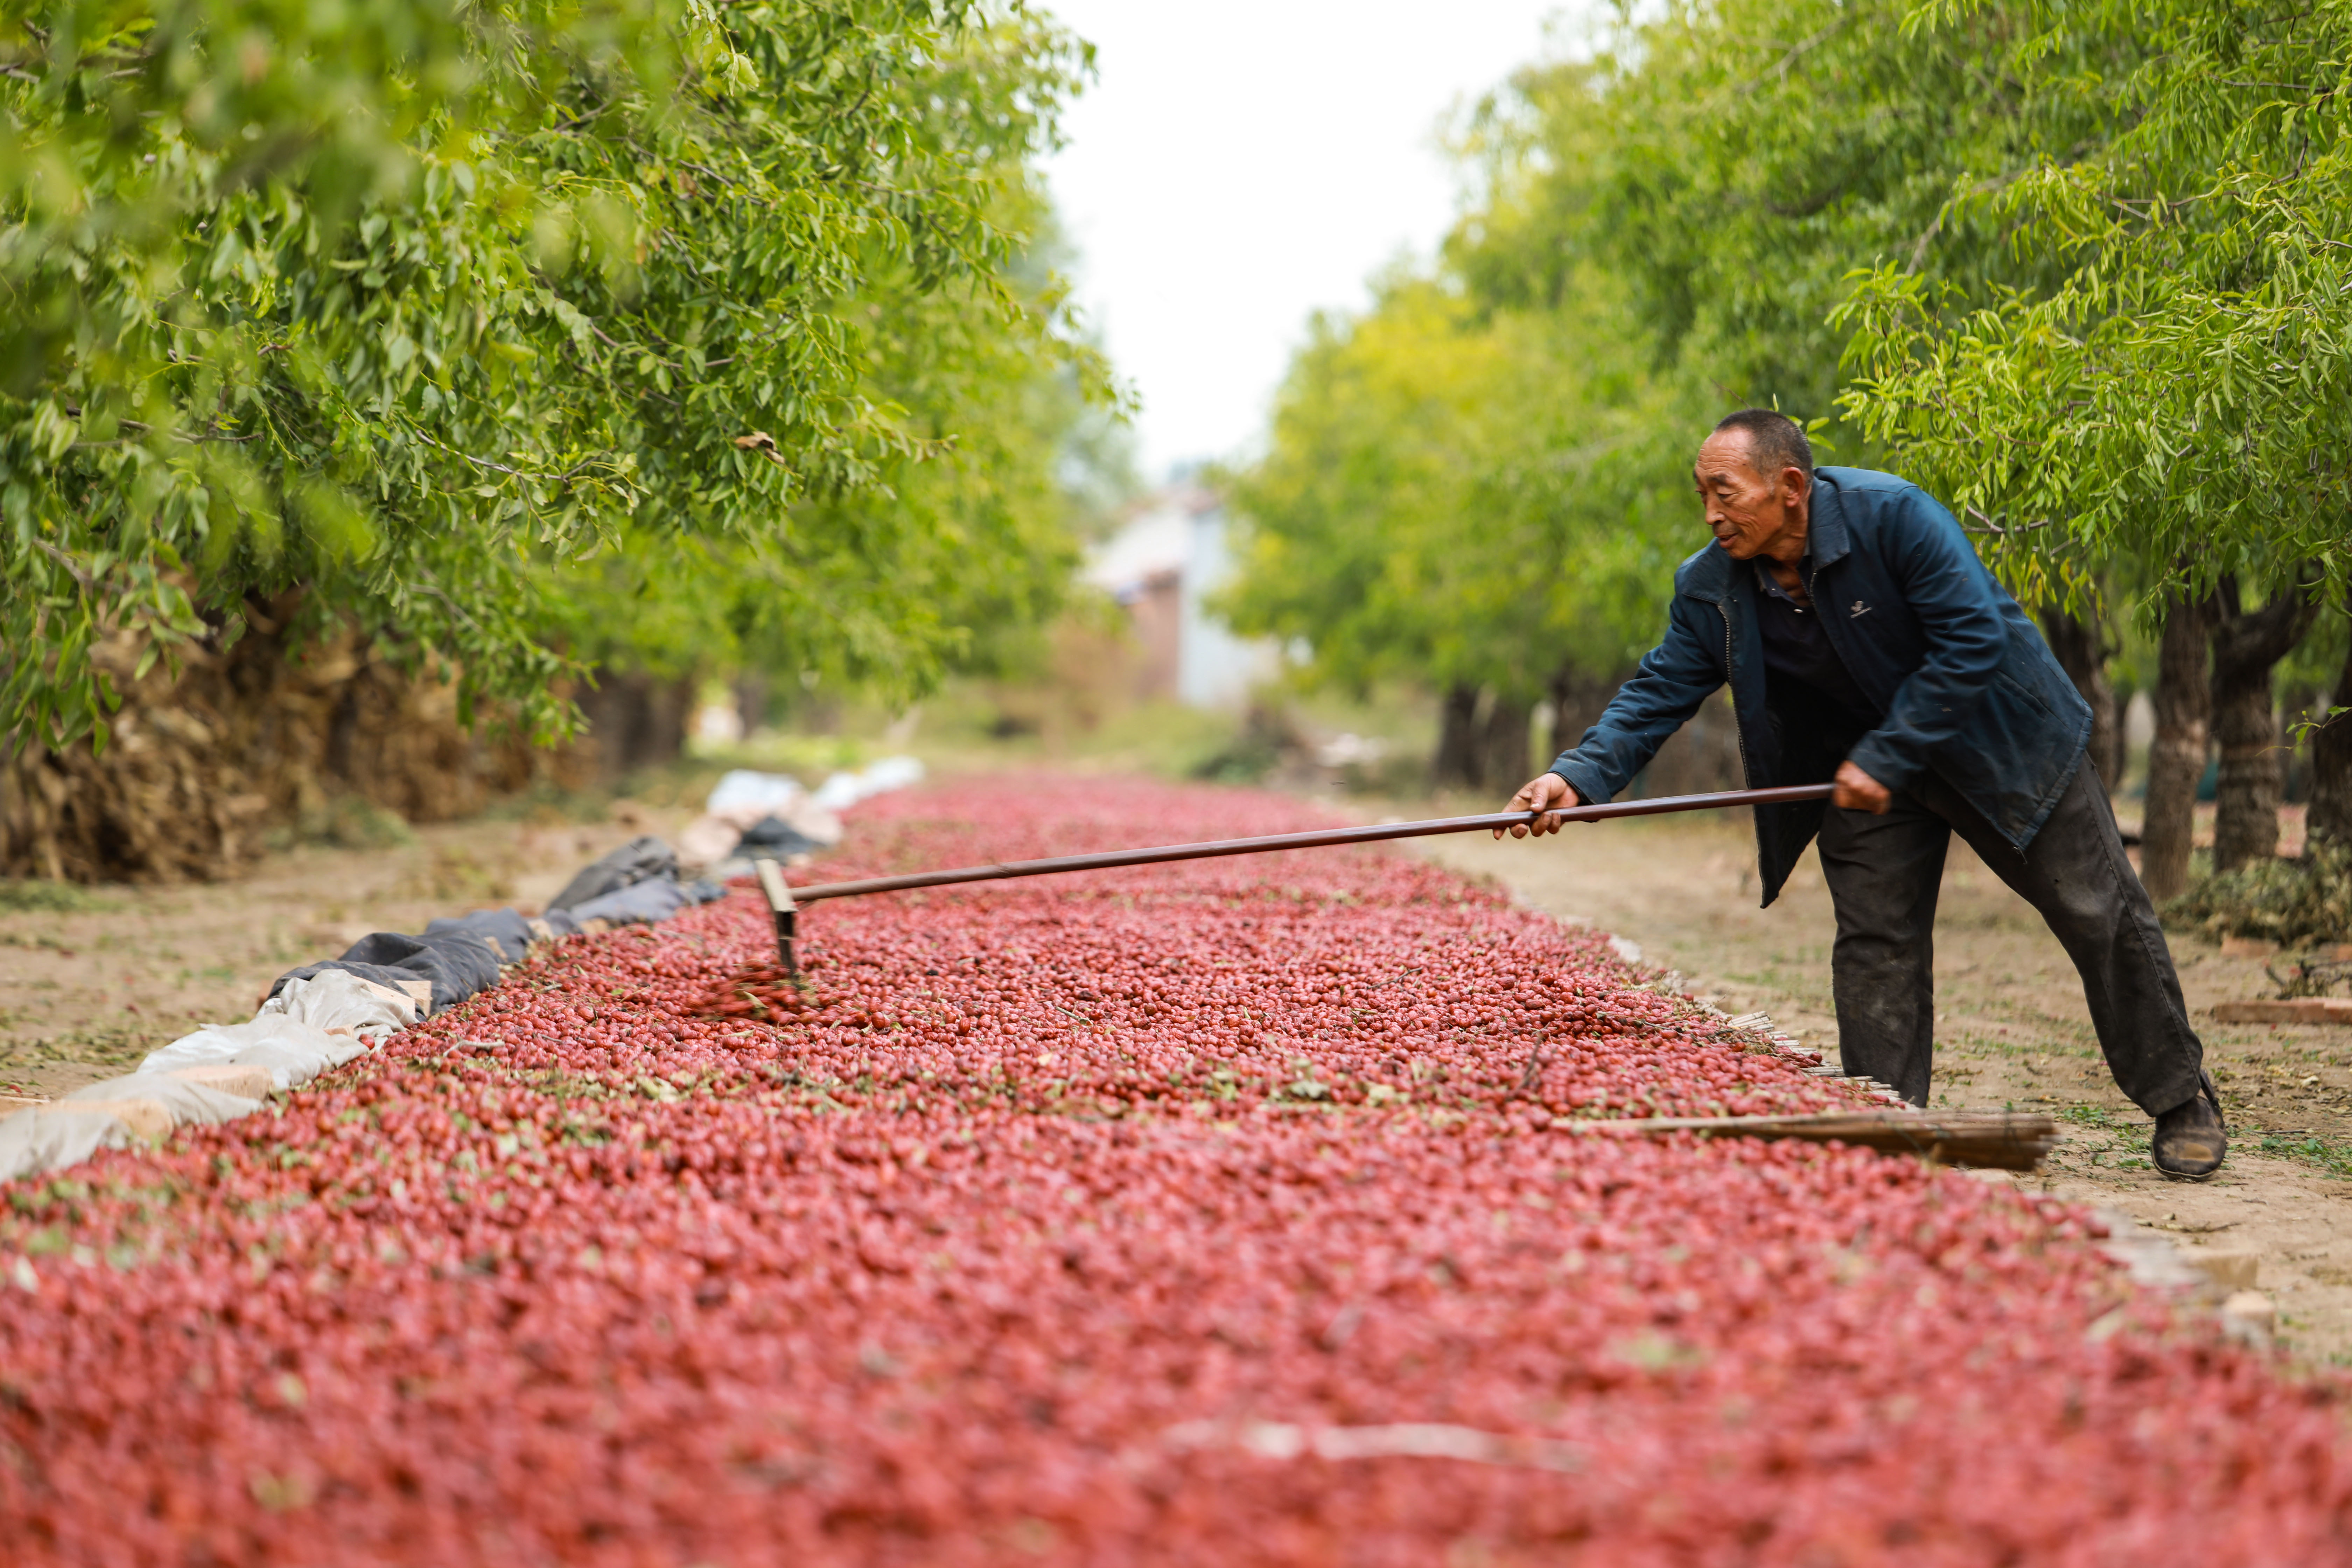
1239	163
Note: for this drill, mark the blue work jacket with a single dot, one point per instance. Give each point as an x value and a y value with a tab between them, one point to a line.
1968	688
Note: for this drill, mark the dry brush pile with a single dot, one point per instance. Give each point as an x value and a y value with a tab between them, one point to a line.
203	761
1193	1214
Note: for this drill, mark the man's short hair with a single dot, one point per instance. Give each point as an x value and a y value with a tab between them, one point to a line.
1775	441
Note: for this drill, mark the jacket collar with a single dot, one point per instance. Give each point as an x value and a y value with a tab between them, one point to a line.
1711	576
1827	532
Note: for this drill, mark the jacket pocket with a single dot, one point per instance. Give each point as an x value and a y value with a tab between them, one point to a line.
2002	680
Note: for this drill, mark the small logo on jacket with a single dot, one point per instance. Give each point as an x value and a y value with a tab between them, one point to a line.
1859	609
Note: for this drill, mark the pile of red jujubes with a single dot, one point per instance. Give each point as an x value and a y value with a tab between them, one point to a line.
1216	1213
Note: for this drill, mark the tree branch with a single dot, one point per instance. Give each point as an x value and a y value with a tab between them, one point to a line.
1787	61
73	568
1989	526
477	462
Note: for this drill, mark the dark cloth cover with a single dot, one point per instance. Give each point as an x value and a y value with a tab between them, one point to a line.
639	860
773	838
502	928
459	966
461	955
645	902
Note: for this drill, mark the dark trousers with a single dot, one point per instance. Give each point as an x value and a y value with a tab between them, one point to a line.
1883	873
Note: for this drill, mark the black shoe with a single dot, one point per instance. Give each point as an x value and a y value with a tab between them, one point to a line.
2190	1138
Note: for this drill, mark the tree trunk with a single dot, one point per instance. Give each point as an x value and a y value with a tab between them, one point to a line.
2247	646
2176	760
265	734
635	721
2082	650
1457	762
1577	701
752	701
1503	743
2330	821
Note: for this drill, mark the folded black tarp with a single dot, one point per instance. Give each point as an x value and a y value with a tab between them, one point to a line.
645	902
460	955
504	929
773	838
639	860
457	963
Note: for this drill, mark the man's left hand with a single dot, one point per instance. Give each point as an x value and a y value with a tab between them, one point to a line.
1857	791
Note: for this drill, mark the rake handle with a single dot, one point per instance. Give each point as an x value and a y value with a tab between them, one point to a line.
1370	834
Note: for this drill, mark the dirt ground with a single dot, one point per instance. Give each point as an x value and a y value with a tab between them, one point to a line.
2011	1030
86	991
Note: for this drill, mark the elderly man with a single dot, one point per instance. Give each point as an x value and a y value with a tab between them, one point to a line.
1866	645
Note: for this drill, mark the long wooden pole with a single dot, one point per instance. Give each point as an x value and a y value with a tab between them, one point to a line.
786	902
1370	832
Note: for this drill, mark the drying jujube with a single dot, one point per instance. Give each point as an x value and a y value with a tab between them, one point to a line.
1211	1213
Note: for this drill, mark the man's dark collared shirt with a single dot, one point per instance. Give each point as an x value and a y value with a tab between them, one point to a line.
1798	652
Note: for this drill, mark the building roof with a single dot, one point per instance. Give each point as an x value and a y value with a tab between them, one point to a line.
1156	537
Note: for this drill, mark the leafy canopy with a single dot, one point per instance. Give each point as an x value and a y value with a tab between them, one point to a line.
421	307
2078	271
2175	390
1463	500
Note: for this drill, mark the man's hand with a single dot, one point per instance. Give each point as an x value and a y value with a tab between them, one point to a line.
1857	791
1546	793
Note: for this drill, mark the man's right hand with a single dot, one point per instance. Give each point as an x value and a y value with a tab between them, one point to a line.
1547	793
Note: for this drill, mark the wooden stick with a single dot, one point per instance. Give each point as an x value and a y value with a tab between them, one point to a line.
2001	1141
1371	834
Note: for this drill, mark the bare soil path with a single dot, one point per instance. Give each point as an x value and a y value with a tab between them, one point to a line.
2011	1030
88	988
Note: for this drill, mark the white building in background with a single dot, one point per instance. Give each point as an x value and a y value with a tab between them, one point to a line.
1162	565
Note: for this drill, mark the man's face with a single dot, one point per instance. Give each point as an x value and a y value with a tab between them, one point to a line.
1748	512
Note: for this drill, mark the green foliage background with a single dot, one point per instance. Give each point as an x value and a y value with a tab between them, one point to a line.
2080	271
527	334
534	335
